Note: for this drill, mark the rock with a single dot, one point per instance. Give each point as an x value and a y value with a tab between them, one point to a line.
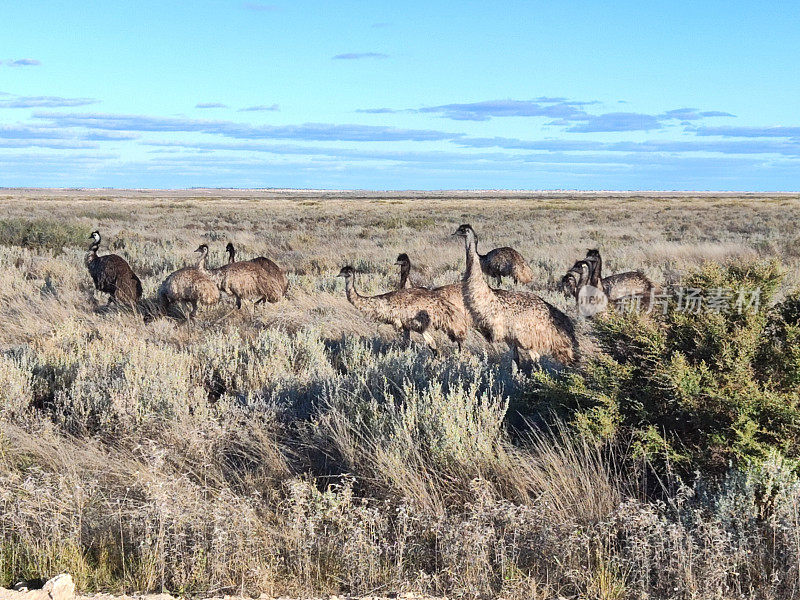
60	587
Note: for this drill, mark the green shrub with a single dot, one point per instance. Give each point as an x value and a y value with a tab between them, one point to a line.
42	234
697	388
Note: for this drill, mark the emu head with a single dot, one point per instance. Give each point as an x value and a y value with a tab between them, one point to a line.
230	249
346	272
465	231
95	236
202	249
592	256
403	260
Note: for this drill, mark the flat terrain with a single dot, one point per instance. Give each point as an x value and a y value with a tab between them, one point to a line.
298	449
313	233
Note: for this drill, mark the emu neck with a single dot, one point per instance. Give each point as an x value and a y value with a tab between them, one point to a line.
577	284
366	305
201	263
352	294
474	274
479	299
480	256
372	306
597	273
405	269
91	254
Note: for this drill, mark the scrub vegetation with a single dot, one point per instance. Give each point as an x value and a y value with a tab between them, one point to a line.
301	448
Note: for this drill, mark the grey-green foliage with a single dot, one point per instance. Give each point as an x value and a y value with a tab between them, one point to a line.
42	234
696	389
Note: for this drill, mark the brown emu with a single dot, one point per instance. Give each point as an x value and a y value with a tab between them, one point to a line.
273	290
523	320
191	285
450	293
578	276
505	262
405	271
112	274
410	309
620	286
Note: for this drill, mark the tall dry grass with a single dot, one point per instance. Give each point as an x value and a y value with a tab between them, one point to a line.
298	449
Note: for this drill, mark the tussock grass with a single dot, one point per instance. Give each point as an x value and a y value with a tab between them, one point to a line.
298	449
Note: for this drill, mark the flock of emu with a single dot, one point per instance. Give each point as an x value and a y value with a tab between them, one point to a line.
528	324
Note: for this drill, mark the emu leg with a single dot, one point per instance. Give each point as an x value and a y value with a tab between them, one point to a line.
238	302
535	360
193	312
527	360
515	356
406	338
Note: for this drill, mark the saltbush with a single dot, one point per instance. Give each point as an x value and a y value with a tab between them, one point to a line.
42	234
698	388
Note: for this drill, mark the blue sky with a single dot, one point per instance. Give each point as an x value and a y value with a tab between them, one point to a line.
401	95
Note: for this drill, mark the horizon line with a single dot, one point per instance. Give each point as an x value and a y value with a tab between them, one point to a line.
401	190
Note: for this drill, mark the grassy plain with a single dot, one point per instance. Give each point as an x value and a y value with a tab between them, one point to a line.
298	448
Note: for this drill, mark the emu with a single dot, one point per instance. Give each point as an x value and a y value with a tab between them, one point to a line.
450	293
575	279
411	309
191	285
112	274
589	296
276	288
527	323
505	262
620	286
405	271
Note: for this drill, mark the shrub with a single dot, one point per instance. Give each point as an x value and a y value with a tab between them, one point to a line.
94	383
697	388
42	234
16	383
